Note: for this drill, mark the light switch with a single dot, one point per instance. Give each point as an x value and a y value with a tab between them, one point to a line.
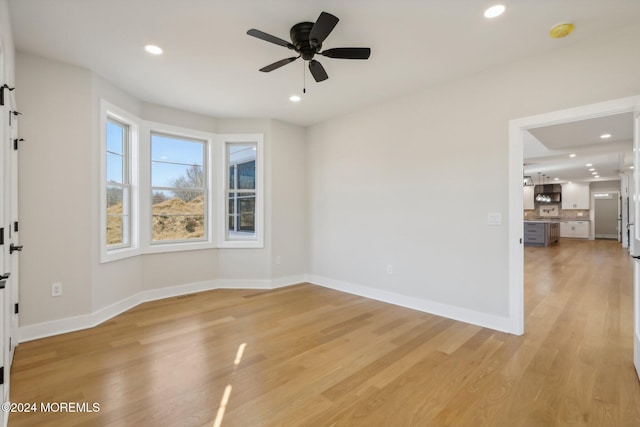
494	218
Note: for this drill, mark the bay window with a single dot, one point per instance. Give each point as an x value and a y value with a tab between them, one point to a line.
161	192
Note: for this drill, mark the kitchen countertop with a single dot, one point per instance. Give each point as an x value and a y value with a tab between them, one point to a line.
542	220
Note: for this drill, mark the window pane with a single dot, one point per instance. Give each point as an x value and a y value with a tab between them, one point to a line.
115	230
241	153
114	199
246	211
115	168
241	161
117	216
181	176
176	219
176	150
242	208
115	137
247	175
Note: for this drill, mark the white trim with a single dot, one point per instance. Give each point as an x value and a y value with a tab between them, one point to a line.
444	310
85	321
516	214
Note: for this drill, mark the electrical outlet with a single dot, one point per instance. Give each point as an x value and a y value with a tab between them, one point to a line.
389	269
56	289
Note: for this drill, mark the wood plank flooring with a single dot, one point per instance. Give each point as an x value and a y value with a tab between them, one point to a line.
309	356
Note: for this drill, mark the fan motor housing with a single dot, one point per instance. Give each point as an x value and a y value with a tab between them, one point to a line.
300	38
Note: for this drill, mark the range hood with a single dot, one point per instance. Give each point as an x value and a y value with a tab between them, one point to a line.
547	194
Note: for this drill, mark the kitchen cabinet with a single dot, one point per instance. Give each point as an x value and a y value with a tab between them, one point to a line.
541	233
576	195
528	198
575	229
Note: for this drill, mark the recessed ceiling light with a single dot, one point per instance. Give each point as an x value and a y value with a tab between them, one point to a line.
572	155
597	176
556	179
605	136
494	11
631	167
294	98
153	49
594	173
589	165
591	169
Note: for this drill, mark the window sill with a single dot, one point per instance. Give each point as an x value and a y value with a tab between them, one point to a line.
248	244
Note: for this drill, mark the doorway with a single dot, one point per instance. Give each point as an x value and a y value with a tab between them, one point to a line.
517	130
607	215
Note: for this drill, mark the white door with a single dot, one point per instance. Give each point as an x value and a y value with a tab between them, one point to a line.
4	252
11	293
9	226
635	243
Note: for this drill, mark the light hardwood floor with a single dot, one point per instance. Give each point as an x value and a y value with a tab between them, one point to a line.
309	356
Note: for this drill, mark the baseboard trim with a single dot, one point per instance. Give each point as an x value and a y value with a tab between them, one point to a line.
502	324
86	321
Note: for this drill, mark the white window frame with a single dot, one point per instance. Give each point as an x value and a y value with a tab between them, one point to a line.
208	242
112	253
224	240
141	190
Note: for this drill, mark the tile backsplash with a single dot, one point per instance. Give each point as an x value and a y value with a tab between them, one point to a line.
547	211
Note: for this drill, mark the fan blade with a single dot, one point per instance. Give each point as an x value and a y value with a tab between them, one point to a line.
269	38
348	52
317	71
322	28
278	64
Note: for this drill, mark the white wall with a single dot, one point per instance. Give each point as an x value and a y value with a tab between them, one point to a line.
289	198
56	168
410	182
604	186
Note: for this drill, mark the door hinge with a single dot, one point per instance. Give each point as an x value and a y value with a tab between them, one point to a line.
2	88
12	114
16	308
1	375
15	142
1	236
15	226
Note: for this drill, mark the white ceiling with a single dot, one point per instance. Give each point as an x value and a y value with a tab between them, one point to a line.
547	150
210	65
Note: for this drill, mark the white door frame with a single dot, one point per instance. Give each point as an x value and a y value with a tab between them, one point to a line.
516	214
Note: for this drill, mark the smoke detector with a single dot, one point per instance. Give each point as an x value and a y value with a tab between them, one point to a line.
563	29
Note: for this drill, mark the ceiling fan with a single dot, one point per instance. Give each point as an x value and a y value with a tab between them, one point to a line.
306	41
